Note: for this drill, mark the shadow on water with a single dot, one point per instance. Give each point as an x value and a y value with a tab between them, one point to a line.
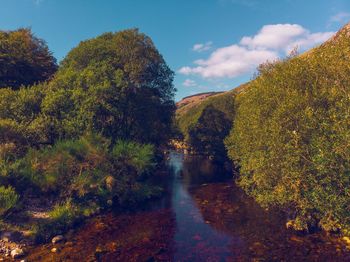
203	217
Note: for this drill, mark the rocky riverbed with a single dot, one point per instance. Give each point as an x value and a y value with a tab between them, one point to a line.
203	217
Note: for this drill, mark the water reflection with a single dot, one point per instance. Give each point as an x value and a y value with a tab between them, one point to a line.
216	221
204	217
195	239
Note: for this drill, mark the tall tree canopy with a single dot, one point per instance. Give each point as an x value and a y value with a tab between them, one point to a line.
24	59
116	84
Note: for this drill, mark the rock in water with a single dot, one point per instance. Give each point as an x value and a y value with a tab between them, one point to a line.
57	239
17	253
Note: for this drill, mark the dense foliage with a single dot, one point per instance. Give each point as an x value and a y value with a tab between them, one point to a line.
208	134
24	59
8	199
291	136
117	84
205	125
20	118
86	139
86	169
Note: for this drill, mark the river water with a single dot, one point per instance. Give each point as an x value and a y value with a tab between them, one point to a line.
203	217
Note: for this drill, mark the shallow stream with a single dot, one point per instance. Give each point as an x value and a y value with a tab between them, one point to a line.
203	217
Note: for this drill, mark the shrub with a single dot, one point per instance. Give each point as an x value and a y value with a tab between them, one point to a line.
291	136
208	134
187	118
21	121
69	167
204	125
8	199
85	170
62	217
133	154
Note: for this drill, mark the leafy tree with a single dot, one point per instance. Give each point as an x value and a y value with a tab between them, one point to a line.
186	119
20	119
24	59
204	125
208	135
117	84
291	136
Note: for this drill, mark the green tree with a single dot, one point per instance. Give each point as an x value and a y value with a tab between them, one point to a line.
207	136
117	84
24	59
291	136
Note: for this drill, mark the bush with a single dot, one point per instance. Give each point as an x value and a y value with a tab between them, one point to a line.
61	218
204	125
8	199
187	118
21	121
133	163
69	168
133	154
86	170
291	136
208	134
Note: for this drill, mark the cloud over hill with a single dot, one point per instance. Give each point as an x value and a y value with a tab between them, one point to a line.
270	43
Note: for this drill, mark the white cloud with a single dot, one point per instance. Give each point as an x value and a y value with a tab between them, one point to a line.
340	17
229	61
308	41
270	43
273	36
202	47
189	83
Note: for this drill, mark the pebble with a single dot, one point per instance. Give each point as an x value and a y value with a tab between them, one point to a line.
68	244
17	253
57	239
347	240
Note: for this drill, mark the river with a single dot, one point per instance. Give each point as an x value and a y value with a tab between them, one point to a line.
203	216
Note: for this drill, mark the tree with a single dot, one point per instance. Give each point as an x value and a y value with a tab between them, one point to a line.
291	136
207	136
116	84
24	59
20	121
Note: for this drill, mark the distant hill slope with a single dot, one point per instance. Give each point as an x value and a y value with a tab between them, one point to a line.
189	101
190	109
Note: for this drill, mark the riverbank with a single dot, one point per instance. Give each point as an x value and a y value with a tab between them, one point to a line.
202	216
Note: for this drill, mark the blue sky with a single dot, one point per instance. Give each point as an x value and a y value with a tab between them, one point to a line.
212	45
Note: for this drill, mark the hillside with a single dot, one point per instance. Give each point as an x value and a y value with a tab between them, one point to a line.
193	99
291	138
189	109
206	119
288	132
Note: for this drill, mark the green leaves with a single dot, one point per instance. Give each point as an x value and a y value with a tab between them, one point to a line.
207	123
136	155
116	84
208	134
291	135
8	199
24	59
